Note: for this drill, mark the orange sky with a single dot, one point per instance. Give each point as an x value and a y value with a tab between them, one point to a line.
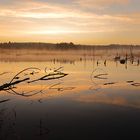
79	21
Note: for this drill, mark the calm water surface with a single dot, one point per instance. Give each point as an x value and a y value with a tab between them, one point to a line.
98	99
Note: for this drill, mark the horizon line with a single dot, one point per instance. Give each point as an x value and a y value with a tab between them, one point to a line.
35	42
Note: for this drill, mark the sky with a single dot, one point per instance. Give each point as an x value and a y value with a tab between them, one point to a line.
78	21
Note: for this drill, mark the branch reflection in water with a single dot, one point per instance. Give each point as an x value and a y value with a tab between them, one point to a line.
29	76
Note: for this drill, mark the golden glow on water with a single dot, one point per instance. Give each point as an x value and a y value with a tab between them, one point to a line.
78	85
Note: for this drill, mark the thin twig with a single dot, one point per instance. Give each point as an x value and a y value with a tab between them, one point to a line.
23	71
4	100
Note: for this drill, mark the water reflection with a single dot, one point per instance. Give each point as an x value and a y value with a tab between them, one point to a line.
100	95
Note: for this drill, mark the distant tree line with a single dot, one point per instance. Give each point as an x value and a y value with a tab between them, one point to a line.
61	46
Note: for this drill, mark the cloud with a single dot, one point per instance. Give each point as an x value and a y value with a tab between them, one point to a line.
100	3
41	17
43	10
34	9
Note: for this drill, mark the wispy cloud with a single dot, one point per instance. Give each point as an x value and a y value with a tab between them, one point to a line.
34	17
100	3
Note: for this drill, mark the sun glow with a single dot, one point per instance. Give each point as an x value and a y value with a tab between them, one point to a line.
54	31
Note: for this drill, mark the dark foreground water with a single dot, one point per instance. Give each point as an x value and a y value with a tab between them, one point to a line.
99	99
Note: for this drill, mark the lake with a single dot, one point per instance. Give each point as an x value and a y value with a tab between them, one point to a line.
89	94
